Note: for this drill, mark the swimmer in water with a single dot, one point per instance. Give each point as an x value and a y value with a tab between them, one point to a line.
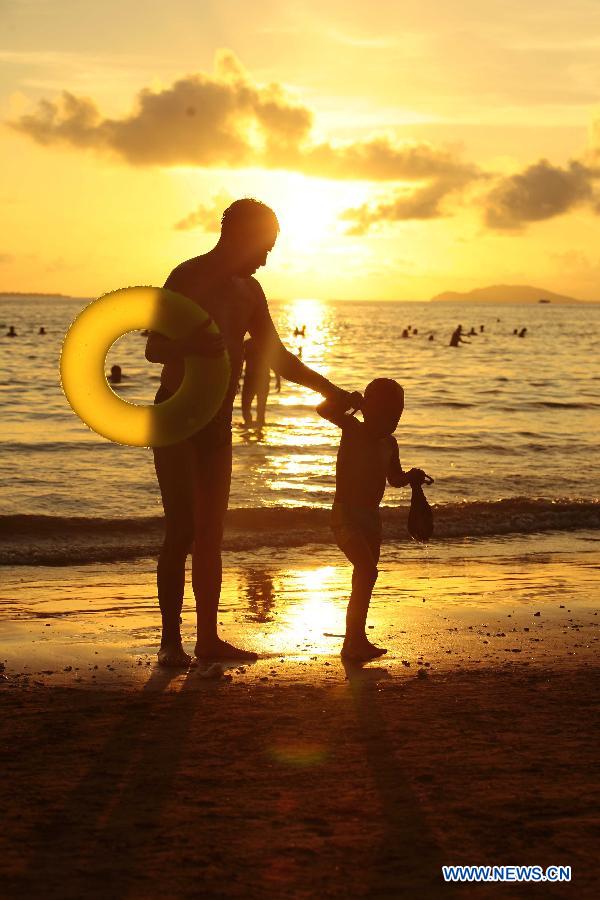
457	337
257	383
116	375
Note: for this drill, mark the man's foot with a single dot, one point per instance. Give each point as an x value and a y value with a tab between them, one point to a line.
361	649
218	649
173	656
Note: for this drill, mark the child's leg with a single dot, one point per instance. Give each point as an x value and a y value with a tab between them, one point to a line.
364	575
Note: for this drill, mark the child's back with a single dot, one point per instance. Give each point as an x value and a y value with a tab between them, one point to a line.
363	462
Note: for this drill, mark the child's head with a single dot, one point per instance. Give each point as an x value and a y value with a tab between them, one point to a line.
382	405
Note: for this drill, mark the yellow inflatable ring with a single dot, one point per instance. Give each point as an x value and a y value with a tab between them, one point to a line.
83	360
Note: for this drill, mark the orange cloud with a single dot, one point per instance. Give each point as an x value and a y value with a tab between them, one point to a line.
199	120
425	203
541	191
225	119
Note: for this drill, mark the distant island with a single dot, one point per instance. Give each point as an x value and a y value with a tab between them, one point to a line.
39	294
505	293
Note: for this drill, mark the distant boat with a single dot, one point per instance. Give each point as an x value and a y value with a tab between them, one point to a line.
543	301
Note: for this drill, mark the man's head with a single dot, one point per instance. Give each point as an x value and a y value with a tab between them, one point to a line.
383	404
249	230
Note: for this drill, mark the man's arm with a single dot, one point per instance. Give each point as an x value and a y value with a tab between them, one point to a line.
336	411
280	359
161	349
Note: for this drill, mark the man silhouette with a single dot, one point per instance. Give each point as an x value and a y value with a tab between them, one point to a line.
194	475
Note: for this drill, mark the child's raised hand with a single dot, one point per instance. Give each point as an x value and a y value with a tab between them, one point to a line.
418	476
355	400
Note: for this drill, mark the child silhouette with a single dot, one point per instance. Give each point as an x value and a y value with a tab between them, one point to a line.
367	456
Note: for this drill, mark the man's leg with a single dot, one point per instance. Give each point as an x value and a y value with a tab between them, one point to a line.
174	470
211	497
248	393
262	392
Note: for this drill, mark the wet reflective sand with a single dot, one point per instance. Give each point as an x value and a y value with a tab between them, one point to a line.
461	605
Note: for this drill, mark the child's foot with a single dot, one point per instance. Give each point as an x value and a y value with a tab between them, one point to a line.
361	649
218	649
173	656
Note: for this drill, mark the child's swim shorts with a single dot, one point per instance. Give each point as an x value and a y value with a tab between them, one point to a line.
355	521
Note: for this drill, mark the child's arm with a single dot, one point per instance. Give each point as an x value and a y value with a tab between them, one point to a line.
331	410
396	476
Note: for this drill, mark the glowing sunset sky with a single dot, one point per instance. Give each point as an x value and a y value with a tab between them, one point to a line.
408	147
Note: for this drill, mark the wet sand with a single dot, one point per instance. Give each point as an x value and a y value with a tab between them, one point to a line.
473	741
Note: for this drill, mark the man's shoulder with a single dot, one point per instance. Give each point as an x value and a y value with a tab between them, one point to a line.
255	288
187	267
190	277
176	276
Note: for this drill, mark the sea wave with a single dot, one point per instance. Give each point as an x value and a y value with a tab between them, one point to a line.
61	541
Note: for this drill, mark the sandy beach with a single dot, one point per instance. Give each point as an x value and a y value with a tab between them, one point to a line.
266	269
472	742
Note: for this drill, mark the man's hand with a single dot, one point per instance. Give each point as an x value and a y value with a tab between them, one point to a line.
200	342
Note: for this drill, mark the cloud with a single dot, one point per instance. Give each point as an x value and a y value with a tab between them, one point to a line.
427	202
541	191
199	120
225	119
206	216
374	160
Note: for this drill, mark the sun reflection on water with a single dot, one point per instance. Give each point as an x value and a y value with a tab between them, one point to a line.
312	319
318	613
306	328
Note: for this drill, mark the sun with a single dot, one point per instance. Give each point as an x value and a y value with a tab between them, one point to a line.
306	214
308	210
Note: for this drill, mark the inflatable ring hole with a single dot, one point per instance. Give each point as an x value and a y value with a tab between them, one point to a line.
128	372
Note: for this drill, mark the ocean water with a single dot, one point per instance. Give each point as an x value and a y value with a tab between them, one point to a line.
507	426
